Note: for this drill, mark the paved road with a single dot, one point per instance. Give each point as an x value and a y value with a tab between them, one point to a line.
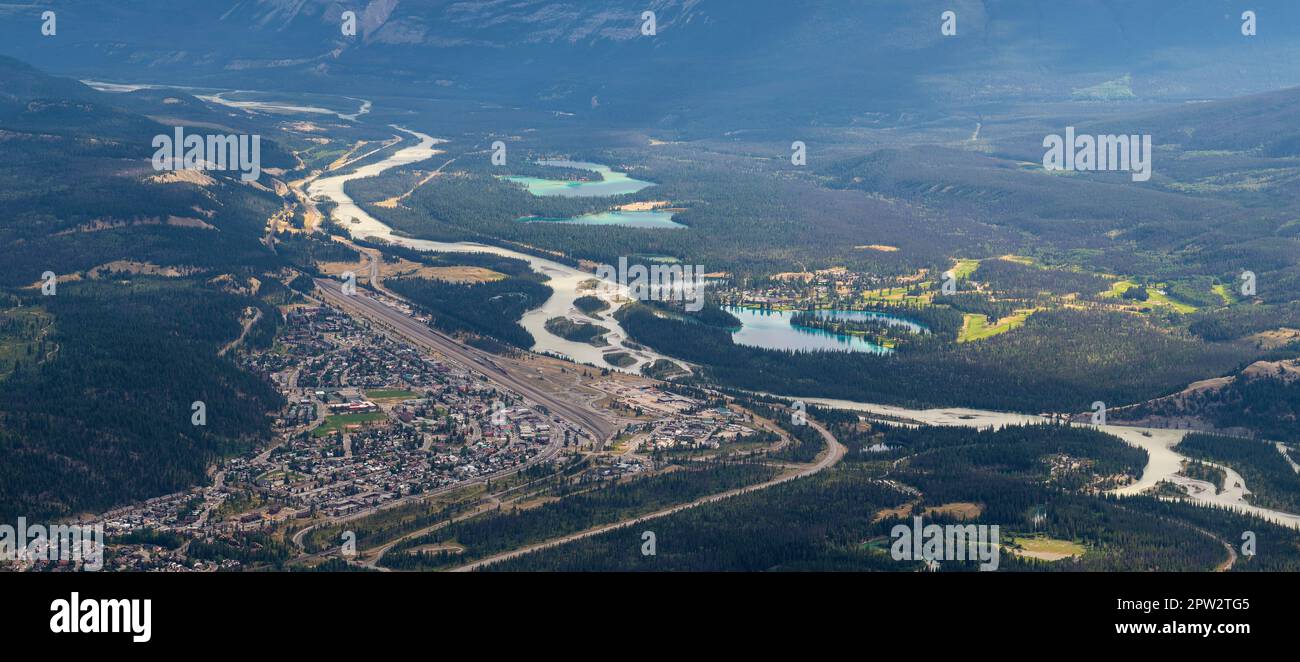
372	556
243	333
1282	448
834	453
491	366
1232	554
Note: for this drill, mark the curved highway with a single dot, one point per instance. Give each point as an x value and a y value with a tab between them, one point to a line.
834	453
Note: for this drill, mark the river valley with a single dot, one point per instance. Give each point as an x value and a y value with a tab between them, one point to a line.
567	282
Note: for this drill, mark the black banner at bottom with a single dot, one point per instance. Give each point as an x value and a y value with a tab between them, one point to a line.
333	612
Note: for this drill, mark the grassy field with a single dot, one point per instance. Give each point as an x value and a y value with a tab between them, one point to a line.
1156	298
325	154
1046	549
1225	294
392	394
965	268
957	509
976	327
1019	259
899	294
338	422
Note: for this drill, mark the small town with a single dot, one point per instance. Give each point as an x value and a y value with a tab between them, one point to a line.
369	423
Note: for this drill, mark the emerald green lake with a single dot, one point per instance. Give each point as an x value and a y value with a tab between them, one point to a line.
611	183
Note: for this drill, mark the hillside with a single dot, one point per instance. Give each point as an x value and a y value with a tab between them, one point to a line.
154	274
1262	400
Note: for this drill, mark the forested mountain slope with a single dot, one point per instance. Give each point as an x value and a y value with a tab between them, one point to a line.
153	276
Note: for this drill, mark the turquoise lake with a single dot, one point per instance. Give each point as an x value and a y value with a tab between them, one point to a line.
653	219
771	329
612	183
